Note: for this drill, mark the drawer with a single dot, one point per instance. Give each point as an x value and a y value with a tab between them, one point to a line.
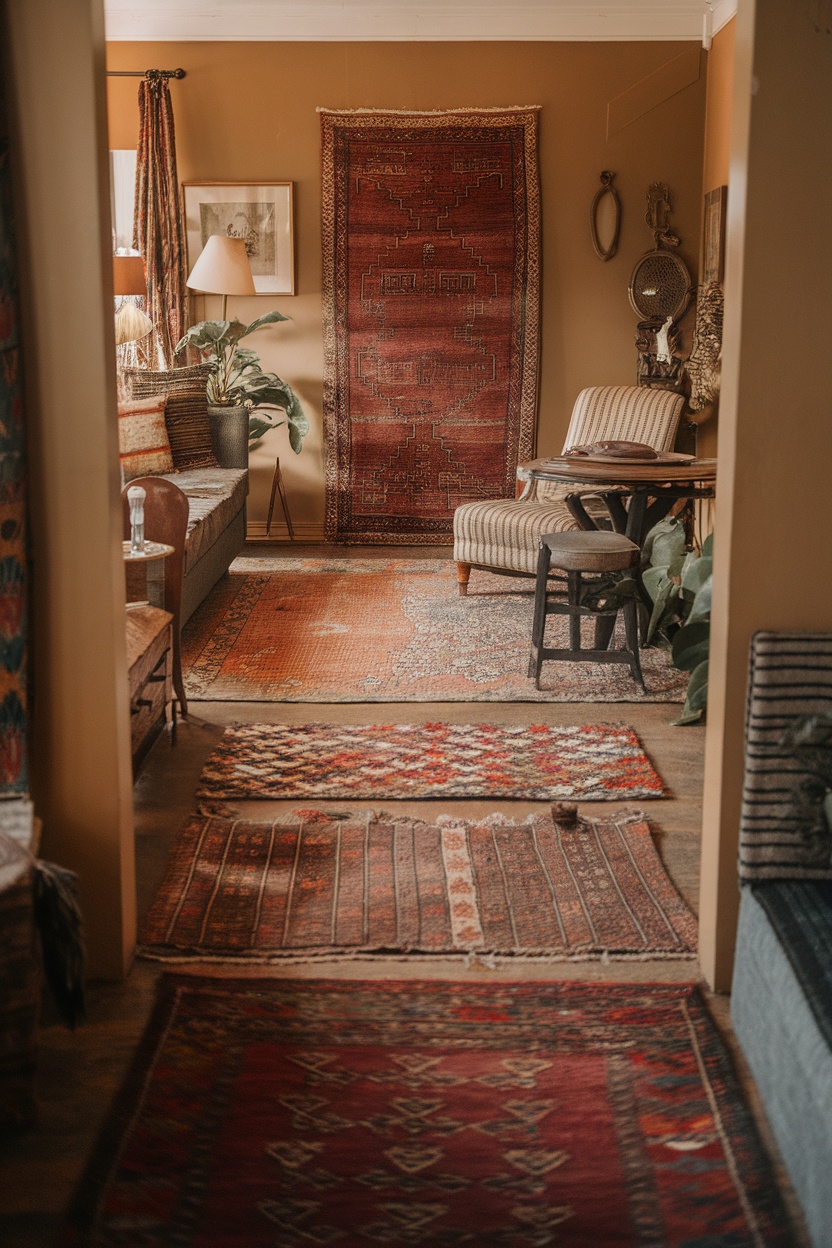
147	704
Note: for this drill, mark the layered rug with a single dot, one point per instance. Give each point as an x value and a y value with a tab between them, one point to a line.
592	762
382	630
275	1113
318	885
431	234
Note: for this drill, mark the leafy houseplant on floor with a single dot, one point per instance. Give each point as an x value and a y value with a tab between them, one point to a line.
238	382
679	582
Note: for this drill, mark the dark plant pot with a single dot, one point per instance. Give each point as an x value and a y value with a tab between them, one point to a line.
229	435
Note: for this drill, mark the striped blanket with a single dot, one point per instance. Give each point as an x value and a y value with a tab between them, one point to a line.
791	676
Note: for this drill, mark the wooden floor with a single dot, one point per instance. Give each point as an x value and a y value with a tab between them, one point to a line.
79	1073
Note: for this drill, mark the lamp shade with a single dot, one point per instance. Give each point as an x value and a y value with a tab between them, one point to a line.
128	276
223	268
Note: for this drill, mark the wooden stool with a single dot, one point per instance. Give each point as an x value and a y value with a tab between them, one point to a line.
594	552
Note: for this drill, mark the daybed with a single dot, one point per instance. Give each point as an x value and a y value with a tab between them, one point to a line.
781	999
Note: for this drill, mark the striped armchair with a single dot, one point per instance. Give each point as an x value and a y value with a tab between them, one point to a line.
503	535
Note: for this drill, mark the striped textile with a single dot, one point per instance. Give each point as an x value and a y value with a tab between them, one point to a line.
800	913
186	410
501	533
790	676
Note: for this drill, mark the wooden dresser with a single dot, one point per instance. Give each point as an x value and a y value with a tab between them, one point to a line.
149	643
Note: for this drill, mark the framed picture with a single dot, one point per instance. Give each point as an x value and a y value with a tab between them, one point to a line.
713	236
259	213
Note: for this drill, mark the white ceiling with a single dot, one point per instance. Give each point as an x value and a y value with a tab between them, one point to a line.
410	19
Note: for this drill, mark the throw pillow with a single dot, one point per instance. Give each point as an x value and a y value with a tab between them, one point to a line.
143	445
186	411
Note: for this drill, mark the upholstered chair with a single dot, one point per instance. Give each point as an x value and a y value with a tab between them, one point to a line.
503	535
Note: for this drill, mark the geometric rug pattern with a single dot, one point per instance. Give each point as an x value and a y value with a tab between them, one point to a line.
590	762
317	885
265	1112
388	630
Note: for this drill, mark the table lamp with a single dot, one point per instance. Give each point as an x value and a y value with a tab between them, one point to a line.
222	268
129	279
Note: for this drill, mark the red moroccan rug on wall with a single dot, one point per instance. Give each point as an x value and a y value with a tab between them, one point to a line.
431	228
587	762
316	885
388	630
286	1112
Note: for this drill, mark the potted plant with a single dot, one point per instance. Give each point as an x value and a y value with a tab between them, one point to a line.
238	382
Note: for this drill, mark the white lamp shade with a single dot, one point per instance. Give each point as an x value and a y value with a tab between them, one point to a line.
222	268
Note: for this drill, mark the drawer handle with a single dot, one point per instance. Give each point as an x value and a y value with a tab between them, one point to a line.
138	704
157	680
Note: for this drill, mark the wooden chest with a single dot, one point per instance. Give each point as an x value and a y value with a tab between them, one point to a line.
149	641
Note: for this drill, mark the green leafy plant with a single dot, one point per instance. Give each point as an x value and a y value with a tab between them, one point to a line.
679	582
808	739
237	378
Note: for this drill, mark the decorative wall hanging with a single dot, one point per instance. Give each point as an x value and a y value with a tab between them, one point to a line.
703	366
260	214
713	235
660	291
13	541
606	200
431	302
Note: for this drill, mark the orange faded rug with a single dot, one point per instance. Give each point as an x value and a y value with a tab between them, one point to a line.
387	630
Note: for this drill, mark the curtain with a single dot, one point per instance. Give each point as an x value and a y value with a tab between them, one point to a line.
159	232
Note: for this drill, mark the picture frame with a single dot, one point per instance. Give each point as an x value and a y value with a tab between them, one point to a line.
713	236
259	212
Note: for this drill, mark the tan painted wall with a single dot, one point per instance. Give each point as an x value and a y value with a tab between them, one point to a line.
247	112
53	53
718	110
775	432
718	107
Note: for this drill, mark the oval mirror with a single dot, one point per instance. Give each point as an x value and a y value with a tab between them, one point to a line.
605	218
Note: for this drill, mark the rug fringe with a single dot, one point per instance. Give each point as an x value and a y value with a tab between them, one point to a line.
427	112
488	959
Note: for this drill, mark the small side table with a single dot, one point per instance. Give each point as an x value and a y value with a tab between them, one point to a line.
149	646
278	488
152	557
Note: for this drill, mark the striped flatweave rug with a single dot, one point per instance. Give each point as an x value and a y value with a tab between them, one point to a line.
590	762
314	885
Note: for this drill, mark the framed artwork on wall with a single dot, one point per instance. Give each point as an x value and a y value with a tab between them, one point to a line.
713	236
260	213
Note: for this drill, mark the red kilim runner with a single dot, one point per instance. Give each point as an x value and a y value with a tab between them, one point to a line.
313	885
590	762
278	1113
430	252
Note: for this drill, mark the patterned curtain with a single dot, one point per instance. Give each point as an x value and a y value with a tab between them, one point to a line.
159	232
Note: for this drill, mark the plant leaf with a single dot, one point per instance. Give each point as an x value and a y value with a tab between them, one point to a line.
696	573
269	318
668	541
691	645
697	696
701	608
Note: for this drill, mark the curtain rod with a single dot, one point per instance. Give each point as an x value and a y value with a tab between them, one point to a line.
145	73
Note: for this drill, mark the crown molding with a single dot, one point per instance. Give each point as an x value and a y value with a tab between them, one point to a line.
355	20
724	10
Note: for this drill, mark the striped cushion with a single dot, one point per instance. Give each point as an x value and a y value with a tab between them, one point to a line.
504	534
791	676
143	446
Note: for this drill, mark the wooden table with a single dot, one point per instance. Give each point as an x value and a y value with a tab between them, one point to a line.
149	643
651	486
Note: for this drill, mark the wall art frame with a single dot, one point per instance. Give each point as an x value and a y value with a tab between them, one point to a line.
713	236
261	213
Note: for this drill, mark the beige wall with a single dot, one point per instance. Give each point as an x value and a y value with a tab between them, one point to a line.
53	53
718	110
246	112
775	432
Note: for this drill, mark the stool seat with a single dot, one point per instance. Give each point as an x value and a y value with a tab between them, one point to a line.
595	550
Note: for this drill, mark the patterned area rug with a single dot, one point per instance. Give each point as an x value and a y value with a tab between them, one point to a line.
281	1112
382	630
593	762
431	227
313	885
